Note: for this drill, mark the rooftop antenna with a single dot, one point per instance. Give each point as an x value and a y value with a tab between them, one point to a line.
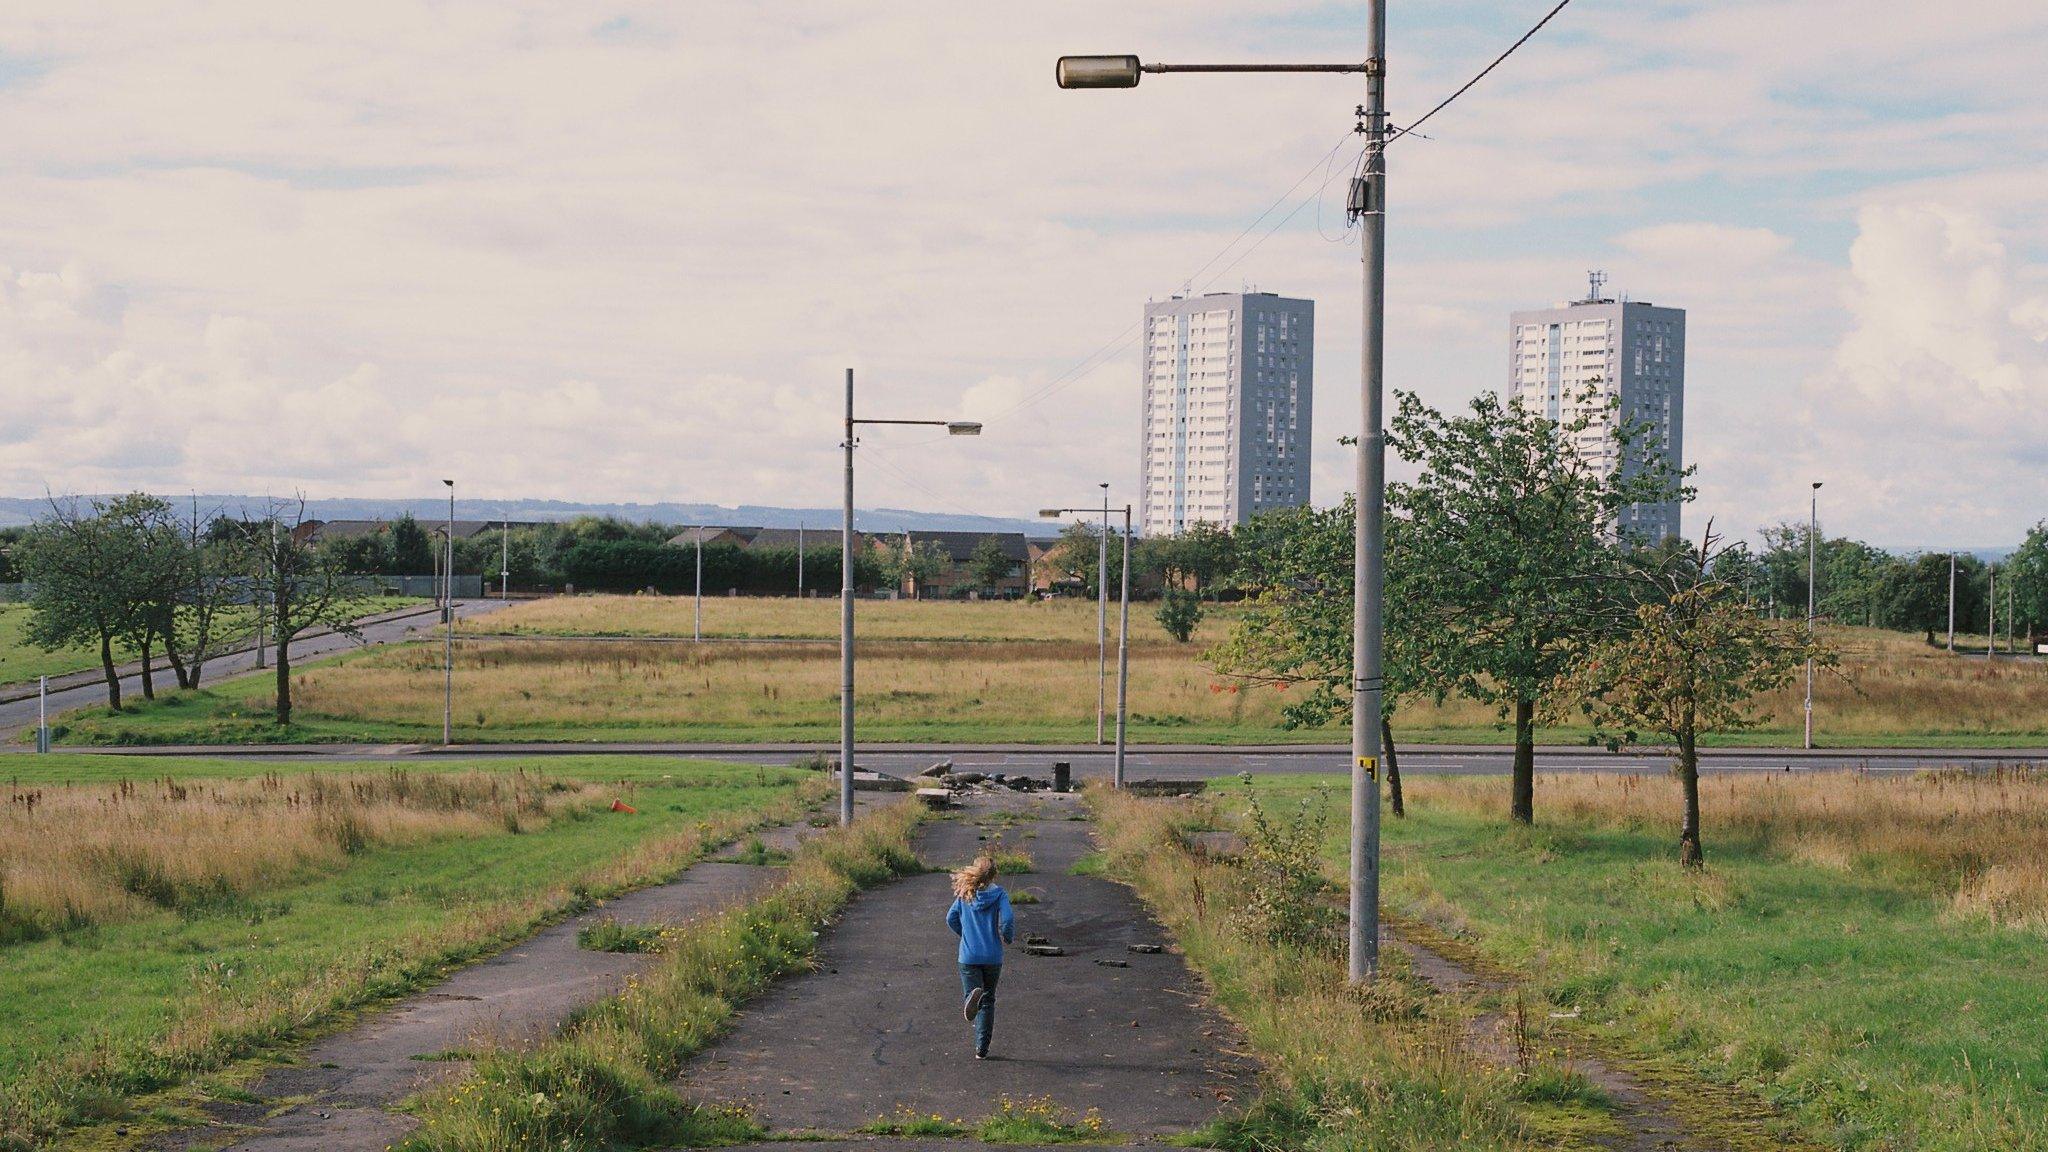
1597	280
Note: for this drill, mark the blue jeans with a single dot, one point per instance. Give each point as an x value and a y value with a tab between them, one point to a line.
984	977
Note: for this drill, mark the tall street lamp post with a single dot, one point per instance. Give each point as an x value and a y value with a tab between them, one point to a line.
1951	601
1991	616
1102	615
953	428
1812	552
448	628
697	620
1368	206
1123	633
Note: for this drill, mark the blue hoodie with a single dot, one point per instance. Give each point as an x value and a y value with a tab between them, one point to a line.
984	924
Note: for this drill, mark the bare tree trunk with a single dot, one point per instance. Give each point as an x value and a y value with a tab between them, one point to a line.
284	680
113	675
148	675
175	661
1522	808
1690	854
1393	767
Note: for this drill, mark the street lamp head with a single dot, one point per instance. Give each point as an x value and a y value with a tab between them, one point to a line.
1050	513
449	483
1099	72
963	428
1817	484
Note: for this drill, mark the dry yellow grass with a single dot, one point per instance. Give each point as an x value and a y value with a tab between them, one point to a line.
71	855
1888	684
724	616
1981	840
511	685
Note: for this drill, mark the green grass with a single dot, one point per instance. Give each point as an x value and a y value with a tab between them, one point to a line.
99	1014
1844	997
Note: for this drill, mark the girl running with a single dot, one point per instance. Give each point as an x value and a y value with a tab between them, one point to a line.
981	917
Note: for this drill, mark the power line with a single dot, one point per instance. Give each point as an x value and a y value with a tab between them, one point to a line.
1446	101
1123	338
1116	343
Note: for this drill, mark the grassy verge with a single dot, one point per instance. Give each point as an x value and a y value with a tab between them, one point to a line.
1864	956
606	1082
176	993
1383	1069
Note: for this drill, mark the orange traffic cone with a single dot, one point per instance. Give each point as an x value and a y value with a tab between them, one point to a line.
622	806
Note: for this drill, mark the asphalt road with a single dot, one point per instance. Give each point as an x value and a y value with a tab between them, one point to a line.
20	716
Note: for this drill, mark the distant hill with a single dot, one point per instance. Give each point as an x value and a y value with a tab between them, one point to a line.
14	511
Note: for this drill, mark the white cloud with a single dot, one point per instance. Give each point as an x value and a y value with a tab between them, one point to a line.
1931	409
627	252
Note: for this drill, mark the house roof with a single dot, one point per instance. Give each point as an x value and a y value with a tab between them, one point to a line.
959	546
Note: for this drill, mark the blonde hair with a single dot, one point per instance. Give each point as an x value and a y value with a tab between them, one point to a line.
973	878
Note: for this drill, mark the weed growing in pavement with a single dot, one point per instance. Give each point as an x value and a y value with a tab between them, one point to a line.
606	1083
1013	861
908	1121
757	852
1038	1120
608	935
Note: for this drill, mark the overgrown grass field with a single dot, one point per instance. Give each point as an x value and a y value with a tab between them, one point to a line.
981	685
753	617
260	911
1869	955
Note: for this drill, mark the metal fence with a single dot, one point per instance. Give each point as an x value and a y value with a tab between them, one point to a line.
466	587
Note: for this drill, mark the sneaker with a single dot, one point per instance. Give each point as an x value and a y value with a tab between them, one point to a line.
973	1006
981	1055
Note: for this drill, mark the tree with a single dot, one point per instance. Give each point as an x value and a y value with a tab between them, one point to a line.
413	552
2027	568
1693	656
158	581
1180	613
10	567
989	564
1513	532
302	588
1077	555
922	564
1296	563
82	564
1202	557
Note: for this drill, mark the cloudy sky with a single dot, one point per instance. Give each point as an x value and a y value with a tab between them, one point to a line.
620	251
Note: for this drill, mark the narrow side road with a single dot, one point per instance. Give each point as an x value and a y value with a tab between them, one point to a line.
877	1029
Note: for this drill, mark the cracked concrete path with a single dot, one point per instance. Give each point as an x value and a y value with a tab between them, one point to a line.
877	1027
335	1097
